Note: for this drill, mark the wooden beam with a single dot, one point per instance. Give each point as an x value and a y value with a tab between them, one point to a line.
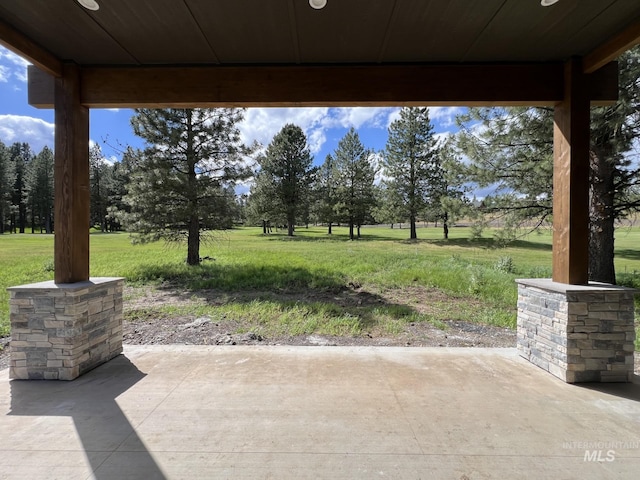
335	85
571	180
612	48
322	85
71	244
22	45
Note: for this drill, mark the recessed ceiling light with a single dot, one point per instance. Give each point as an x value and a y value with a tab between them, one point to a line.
318	4
548	3
89	4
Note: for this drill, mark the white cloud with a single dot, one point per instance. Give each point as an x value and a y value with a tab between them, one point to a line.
4	74
262	124
445	116
358	117
12	64
34	131
393	116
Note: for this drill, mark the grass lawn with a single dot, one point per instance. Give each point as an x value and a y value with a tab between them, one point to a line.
383	260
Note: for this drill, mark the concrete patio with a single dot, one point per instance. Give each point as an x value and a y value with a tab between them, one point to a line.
318	412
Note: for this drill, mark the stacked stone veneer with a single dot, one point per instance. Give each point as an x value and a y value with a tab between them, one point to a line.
577	333
59	332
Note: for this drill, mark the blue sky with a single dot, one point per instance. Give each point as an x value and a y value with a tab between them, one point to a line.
324	127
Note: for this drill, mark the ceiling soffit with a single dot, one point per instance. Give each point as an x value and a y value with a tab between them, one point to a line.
188	32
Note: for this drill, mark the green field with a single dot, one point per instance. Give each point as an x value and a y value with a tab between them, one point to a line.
382	260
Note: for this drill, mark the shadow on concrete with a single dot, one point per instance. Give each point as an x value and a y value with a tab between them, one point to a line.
629	391
90	401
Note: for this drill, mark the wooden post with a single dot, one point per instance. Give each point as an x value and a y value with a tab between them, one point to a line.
71	244
571	180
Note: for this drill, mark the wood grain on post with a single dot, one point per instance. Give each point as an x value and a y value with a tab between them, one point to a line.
571	180
71	245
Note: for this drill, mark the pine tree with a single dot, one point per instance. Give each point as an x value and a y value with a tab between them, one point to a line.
263	206
326	193
20	155
356	174
286	174
39	185
448	189
117	209
7	180
410	162
389	208
178	189
99	183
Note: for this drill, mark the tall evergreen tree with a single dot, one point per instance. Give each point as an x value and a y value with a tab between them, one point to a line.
99	183
263	206
20	155
448	189
411	162
120	177
356	174
7	179
178	188
39	182
389	208
326	193
286	170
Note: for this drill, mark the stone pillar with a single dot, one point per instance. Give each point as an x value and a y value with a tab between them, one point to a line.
60	331
579	333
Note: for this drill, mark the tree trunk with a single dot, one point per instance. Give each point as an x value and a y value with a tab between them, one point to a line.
358	230
602	224
413	235
445	226
23	218
193	241
291	222
329	232
351	237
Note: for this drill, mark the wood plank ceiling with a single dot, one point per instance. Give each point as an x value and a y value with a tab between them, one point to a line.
290	32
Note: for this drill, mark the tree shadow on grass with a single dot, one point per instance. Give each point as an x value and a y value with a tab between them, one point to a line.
294	294
628	254
488	243
210	275
334	237
343	311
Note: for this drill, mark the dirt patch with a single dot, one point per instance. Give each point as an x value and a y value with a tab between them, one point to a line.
165	329
203	331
